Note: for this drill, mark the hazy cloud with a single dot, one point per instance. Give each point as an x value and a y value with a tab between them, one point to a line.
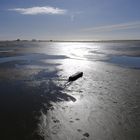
40	10
115	27
73	15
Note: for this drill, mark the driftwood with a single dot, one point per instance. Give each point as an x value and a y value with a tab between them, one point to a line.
75	76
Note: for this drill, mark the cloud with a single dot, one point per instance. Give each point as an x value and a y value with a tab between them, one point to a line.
114	27
40	10
73	15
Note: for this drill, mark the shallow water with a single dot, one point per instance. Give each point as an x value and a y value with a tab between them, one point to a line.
129	61
36	104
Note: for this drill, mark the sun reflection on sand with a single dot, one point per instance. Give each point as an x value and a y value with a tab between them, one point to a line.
74	50
34	95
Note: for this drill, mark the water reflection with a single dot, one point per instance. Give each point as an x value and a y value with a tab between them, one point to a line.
25	100
35	104
129	61
30	90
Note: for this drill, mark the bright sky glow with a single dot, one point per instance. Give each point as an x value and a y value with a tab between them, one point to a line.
70	19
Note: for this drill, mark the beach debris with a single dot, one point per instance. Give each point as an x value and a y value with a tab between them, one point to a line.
86	134
77	119
75	76
79	130
71	121
56	121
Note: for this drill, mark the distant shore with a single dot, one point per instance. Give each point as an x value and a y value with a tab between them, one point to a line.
34	40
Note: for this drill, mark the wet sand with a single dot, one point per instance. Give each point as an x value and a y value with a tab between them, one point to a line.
103	105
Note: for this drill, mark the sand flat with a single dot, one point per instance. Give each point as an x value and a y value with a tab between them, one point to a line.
104	104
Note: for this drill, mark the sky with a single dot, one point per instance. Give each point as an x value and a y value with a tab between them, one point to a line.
70	19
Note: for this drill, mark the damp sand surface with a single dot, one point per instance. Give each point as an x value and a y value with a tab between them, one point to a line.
36	104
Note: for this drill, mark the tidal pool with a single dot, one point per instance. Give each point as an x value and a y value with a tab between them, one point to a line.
128	61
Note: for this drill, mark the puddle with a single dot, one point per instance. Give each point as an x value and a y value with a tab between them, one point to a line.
128	61
31	57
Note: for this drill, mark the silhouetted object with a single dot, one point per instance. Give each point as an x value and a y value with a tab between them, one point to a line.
34	40
75	76
18	39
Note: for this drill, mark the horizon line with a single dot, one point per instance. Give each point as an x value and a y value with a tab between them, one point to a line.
51	40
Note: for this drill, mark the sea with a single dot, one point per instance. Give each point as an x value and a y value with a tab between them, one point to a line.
37	102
